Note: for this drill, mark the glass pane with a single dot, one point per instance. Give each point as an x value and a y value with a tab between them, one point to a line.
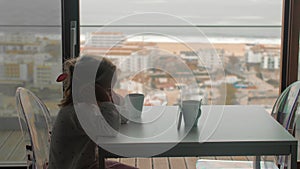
207	12
30	57
30	12
138	33
249	56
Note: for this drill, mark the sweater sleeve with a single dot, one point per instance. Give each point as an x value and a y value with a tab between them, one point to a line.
99	121
111	114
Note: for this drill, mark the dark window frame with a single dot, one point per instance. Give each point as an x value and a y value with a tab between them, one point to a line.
290	43
70	12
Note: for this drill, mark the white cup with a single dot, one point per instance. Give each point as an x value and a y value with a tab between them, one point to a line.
191	110
134	104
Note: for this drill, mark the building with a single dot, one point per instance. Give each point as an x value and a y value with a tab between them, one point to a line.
19	43
270	62
209	59
18	37
14	71
130	57
252	57
45	74
260	54
105	39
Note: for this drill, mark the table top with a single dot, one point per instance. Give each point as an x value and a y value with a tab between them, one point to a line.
222	130
216	124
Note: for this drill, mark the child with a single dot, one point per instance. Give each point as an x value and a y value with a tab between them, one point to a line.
71	147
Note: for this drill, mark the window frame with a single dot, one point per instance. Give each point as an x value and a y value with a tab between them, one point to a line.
70	12
290	43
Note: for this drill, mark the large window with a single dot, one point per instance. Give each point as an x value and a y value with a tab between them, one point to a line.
30	56
231	47
208	49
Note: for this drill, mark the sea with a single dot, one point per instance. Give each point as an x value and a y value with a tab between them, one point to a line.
232	35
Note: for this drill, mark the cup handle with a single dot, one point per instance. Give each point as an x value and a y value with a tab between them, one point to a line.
199	111
180	117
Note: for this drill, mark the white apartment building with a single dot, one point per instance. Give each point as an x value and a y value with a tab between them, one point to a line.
130	57
131	86
17	37
189	56
252	57
270	62
105	39
134	62
209	59
139	61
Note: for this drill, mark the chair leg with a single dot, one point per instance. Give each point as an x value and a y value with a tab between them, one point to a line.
256	163
101	158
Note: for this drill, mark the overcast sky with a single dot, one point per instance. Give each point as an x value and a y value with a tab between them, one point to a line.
48	12
194	11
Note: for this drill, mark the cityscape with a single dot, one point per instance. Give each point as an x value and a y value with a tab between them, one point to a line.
247	73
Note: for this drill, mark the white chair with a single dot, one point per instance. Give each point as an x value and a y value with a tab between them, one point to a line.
35	123
285	111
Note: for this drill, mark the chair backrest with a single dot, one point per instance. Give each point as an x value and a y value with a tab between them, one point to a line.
286	110
286	107
38	123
